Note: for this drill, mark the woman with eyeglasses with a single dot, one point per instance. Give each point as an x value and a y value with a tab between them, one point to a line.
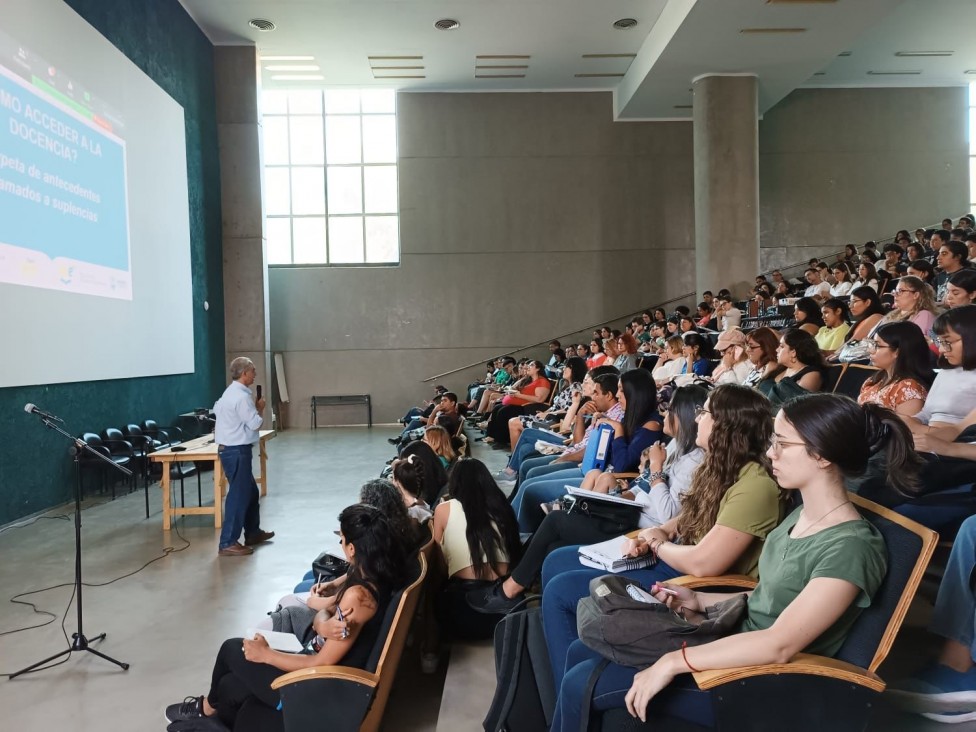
901	355
866	309
961	288
835	328
953	393
914	303
761	345
733	503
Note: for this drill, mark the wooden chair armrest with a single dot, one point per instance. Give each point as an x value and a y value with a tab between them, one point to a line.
343	673
742	581
625	475
801	663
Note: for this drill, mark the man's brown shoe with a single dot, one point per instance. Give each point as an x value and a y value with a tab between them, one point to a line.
235	550
259	538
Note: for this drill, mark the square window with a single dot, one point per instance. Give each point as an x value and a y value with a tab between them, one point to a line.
277	197
382	239
379	139
380	184
275	140
308	186
309	240
305	102
342	141
274	102
346	239
377	101
278	233
305	136
345	190
342	101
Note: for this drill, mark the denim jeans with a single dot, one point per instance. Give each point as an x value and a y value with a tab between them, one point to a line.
531	463
241	510
525	447
955	606
537	490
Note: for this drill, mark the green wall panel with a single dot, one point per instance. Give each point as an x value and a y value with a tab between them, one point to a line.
35	470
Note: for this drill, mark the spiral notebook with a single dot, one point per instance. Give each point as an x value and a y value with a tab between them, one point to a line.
606	556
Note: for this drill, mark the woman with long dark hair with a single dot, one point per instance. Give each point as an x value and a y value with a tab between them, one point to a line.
835	328
432	476
409	478
530	396
733	503
695	351
478	537
961	288
901	355
800	368
244	668
867	310
808	317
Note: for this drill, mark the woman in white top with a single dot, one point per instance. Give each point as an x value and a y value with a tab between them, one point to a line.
735	365
867	276
669	361
953	393
843	286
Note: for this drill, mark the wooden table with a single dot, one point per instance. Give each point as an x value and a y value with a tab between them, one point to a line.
203	449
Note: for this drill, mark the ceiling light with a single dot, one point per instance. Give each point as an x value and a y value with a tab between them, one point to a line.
772	30
683	106
596	76
498	57
297	67
894	73
396	68
288	58
624	23
261	24
820	73
446	24
609	55
844	53
297	77
395	58
923	53
399	76
505	66
970	71
499	76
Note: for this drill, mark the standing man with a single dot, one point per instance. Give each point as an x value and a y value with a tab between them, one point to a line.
238	421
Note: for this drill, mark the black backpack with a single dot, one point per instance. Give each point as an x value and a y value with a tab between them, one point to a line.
525	695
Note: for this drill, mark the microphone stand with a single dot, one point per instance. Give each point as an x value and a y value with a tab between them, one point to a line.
79	642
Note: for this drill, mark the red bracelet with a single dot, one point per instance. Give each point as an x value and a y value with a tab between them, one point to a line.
684	655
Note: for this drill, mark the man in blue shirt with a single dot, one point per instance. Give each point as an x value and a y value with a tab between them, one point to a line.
238	421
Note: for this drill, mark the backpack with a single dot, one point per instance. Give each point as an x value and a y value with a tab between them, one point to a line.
525	695
636	633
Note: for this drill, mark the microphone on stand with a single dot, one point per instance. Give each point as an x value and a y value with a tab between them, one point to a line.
32	409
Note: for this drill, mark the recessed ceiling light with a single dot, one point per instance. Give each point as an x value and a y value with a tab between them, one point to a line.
394	58
288	58
894	73
297	77
261	24
770	31
499	76
396	68
970	71
292	67
625	23
399	76
502	66
597	76
844	53
609	55
498	57
923	53
446	24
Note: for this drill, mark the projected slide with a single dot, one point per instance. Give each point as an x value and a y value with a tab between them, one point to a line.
64	222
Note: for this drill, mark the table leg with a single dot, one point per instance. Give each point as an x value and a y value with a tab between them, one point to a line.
264	468
164	484
218	493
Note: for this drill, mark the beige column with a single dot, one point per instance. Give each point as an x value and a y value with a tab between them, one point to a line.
246	316
726	139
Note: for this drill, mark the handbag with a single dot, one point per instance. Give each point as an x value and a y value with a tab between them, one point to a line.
614	517
328	567
854	351
637	632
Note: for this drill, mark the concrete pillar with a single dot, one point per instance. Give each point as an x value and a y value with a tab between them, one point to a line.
246	302
726	138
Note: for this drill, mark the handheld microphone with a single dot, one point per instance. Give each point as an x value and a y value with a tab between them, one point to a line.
32	409
259	391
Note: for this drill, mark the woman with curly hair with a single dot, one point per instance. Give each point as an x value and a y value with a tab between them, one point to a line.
914	303
733	503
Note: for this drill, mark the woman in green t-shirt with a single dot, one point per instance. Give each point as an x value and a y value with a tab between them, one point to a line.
823	564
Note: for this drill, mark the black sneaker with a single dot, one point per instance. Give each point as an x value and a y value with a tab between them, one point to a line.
190	708
394	440
198	724
493	601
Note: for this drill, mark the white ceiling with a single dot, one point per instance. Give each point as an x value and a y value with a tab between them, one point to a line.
674	41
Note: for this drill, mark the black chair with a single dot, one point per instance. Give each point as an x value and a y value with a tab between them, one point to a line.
120	450
88	463
813	692
831	376
852	379
170	436
142	447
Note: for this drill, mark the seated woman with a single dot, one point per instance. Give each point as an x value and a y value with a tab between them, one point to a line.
800	368
439	441
961	288
635	429
531	395
921	268
432	476
686	324
705	313
244	669
597	357
735	366
669	361
843	283
945	691
831	336
953	393
732	505
408	477
478	537
867	276
818	570
626	347
761	345
867	310
808	317
665	477
902	383
914	303
573	373
695	351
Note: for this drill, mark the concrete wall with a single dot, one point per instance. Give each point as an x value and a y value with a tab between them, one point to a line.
840	166
523	216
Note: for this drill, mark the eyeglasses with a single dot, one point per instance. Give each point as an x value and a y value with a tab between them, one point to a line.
901	291
753	346
699	411
873	346
777	445
945	343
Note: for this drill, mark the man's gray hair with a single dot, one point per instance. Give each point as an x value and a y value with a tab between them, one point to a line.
239	365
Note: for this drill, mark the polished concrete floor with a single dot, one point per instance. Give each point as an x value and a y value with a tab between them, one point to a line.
169	619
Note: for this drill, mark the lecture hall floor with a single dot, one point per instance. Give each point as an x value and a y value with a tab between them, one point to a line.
168	620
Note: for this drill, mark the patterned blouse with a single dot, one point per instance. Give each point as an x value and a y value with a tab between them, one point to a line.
892	395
